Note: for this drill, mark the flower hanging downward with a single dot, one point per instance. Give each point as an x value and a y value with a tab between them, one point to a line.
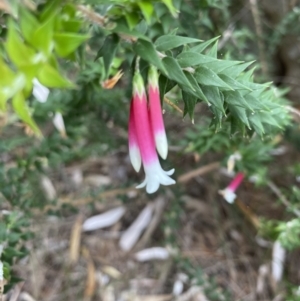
157	123
228	192
141	125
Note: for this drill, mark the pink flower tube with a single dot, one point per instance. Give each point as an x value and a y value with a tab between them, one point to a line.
229	192
134	151
154	174
157	123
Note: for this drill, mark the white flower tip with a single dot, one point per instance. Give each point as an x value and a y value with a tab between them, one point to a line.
135	157
39	91
59	124
228	195
155	176
161	143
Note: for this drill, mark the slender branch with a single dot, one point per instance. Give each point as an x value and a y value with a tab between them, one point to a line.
282	197
91	15
171	104
259	32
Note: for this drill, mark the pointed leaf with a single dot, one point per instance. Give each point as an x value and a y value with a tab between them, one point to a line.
235	98
234	84
50	77
220	65
108	51
204	45
189	104
147	9
197	90
167	42
235	71
189	58
214	97
28	24
171	7
146	51
213	51
207	77
22	111
240	113
256	123
66	43
175	72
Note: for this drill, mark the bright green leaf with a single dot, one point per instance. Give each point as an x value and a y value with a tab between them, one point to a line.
50	77
66	43
22	111
147	9
171	7
132	19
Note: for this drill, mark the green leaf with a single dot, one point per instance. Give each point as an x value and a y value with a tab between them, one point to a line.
28	24
267	117
207	77
214	97
204	45
146	51
213	51
197	90
235	71
22	111
132	19
50	77
240	113
235	98
175	72
42	37
189	104
165	85
108	51
122	28
256	123
234	84
147	9
67	43
171	7
7	75
220	65
167	42
18	52
189	58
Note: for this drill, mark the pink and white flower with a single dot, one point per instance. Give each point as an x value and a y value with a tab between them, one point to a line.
141	125
157	123
229	192
134	151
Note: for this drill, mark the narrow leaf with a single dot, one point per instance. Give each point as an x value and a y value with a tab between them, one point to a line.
189	59
22	111
214	97
147	9
171	7
175	72
67	43
167	42
189	104
146	51
199	48
240	113
207	77
235	71
50	77
220	65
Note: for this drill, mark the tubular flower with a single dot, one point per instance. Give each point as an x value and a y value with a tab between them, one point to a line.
157	123
154	174
134	151
229	192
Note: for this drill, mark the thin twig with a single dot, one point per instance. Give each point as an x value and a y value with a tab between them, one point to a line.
91	15
259	33
171	104
282	197
198	172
